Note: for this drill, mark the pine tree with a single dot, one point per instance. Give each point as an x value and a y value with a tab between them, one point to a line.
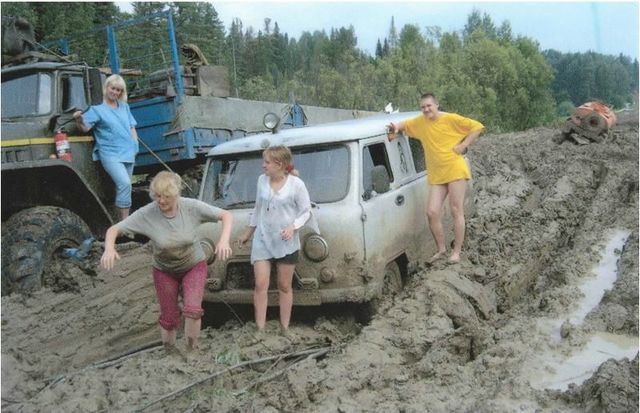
393	35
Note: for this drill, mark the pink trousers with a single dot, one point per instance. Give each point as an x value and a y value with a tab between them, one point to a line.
168	289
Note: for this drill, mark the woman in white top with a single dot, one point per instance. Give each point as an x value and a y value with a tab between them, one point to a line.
282	207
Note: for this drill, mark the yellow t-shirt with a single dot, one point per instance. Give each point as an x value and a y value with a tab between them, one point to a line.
438	137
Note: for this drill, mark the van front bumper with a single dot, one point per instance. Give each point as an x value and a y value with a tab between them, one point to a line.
300	297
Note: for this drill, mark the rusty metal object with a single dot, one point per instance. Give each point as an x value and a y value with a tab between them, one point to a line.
590	122
18	36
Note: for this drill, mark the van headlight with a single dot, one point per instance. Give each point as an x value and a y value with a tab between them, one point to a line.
316	248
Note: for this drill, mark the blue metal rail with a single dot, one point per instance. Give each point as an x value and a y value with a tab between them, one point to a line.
154	115
137	49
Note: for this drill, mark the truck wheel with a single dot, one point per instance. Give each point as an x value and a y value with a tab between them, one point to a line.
391	285
32	240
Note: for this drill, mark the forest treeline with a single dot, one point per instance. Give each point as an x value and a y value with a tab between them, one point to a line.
483	71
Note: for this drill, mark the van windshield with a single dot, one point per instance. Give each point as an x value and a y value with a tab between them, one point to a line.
231	179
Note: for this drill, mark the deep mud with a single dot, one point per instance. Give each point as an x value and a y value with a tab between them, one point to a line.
459	338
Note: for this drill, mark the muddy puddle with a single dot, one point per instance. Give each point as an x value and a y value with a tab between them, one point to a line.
566	363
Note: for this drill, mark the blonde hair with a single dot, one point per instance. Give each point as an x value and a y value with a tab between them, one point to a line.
165	183
117	81
282	155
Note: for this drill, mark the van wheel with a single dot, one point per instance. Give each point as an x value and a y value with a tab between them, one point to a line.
391	285
32	240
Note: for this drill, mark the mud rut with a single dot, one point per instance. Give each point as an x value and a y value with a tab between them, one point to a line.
456	338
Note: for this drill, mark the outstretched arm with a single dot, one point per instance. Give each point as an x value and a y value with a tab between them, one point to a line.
77	115
110	255
223	248
393	129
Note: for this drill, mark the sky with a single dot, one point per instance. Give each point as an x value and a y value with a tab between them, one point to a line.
604	27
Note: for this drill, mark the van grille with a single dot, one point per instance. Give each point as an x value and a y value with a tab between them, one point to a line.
240	277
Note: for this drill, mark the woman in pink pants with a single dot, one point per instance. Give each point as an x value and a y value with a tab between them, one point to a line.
178	260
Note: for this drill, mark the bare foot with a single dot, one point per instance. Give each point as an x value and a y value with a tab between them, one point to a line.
172	351
454	259
192	344
437	256
260	335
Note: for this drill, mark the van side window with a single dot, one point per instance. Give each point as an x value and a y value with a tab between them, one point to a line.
417	153
373	155
404	167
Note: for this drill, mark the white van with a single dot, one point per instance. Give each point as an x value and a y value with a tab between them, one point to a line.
367	196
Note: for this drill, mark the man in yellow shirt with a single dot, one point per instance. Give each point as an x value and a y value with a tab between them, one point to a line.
445	138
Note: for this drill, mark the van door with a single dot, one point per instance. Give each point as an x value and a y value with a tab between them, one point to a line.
411	183
387	216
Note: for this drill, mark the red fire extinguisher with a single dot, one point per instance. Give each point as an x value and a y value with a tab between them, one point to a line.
63	149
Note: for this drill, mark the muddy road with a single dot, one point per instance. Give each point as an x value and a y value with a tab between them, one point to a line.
509	329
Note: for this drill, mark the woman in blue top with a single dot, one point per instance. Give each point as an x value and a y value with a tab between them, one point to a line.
116	138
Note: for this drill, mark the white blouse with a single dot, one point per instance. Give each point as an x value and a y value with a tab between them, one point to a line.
274	211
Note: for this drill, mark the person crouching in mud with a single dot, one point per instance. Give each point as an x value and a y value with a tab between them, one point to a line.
178	260
445	138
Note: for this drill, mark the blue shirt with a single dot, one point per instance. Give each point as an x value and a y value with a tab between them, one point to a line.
112	132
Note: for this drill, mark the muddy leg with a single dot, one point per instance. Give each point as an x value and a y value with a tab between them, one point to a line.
437	194
123	213
285	293
192	332
193	284
168	337
167	293
456	202
262	270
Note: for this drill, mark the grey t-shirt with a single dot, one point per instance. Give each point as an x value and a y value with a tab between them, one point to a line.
176	248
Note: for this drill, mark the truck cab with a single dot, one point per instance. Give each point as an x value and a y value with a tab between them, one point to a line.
39	99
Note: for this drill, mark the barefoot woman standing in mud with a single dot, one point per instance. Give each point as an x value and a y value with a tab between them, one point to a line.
445	138
178	260
282	208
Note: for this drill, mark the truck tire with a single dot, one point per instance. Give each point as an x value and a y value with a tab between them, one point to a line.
32	239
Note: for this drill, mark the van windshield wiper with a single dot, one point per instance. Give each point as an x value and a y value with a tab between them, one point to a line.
239	203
